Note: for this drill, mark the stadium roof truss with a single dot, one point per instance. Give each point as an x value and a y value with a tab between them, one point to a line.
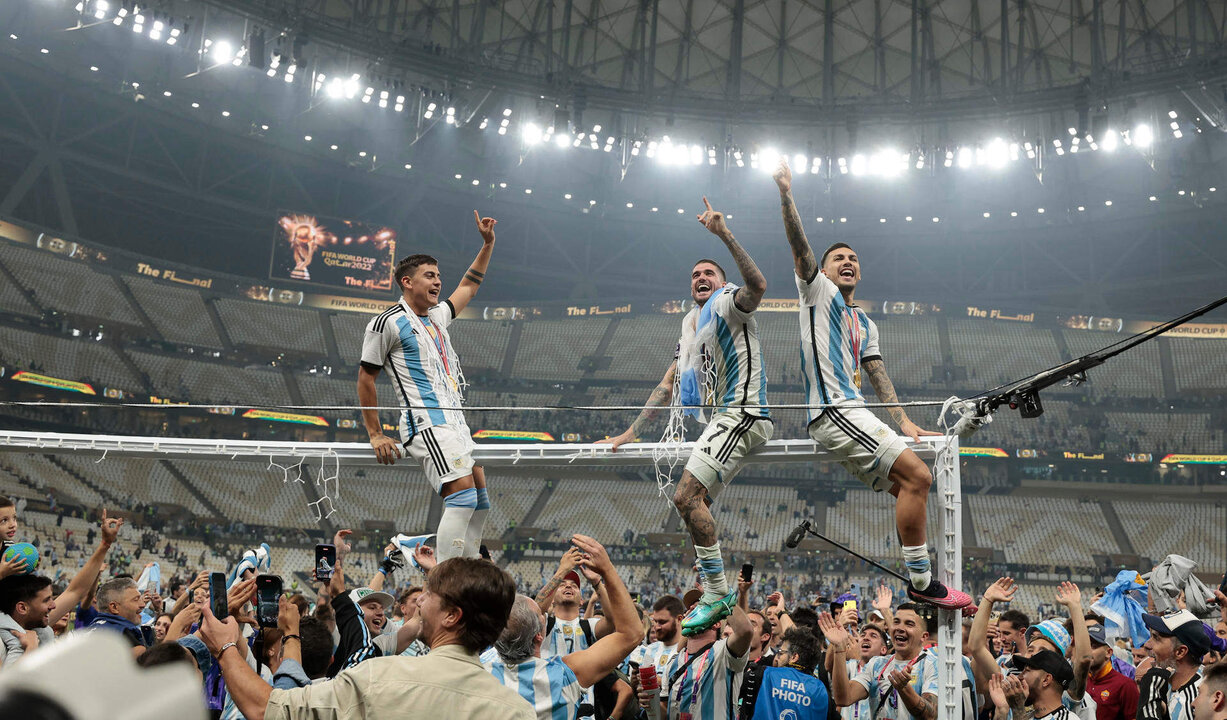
783	60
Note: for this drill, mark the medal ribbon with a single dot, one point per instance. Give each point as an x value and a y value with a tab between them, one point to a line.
437	336
906	668
854	338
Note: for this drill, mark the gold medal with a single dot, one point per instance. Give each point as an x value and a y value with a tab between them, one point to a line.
856	377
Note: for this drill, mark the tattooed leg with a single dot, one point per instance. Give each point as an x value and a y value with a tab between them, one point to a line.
692	501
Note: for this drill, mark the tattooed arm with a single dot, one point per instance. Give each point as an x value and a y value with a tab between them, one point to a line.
885	389
570	560
661	395
802	253
748	297
467	289
927	709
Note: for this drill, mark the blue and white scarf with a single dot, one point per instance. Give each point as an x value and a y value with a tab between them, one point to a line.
698	332
1122	614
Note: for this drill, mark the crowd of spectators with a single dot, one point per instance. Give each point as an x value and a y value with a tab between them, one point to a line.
812	636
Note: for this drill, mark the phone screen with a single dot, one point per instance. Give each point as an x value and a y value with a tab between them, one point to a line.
268	595
747	572
325	561
217	595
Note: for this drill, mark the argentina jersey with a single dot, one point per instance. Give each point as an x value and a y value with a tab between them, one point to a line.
836	339
857	710
657	655
548	684
1180	701
738	376
565	637
418	356
707	689
884	700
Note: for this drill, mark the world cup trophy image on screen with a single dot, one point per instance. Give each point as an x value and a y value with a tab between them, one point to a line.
304	236
335	252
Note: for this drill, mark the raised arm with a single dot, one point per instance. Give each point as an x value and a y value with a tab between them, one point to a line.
982	661
843	691
386	567
660	398
570	560
743	632
595	662
600	593
477	271
802	254
83	582
885	389
336	586
225	642
1070	596
882	602
748	297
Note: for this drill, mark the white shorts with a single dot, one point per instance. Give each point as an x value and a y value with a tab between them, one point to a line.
860	442
718	454
445	453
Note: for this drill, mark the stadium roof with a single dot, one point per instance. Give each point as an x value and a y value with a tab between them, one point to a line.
795	60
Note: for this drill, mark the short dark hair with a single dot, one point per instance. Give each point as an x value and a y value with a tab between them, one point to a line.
881	631
165	653
723	275
20	589
671	603
484	594
767	625
316	644
404	594
1214	677
803	644
832	249
804	617
409	265
6	501
265	639
303	606
926	615
1016	618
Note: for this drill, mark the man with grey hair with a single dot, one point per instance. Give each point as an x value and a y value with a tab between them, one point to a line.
559	682
119	606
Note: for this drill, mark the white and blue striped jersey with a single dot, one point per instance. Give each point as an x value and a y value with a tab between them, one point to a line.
565	637
657	655
418	356
546	683
709	686
884	702
738	375
1180	701
836	338
857	710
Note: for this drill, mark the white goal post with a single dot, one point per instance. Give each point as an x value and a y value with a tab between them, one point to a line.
942	452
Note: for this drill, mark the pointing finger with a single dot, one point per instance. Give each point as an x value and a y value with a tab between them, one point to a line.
477	218
709	209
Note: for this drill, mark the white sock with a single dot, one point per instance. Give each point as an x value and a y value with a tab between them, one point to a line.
916	557
472	536
711	563
453	525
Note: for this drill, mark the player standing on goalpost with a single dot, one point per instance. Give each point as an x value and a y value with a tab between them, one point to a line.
838	340
410	339
720	363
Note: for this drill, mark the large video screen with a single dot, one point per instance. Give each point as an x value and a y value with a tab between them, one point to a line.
333	252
